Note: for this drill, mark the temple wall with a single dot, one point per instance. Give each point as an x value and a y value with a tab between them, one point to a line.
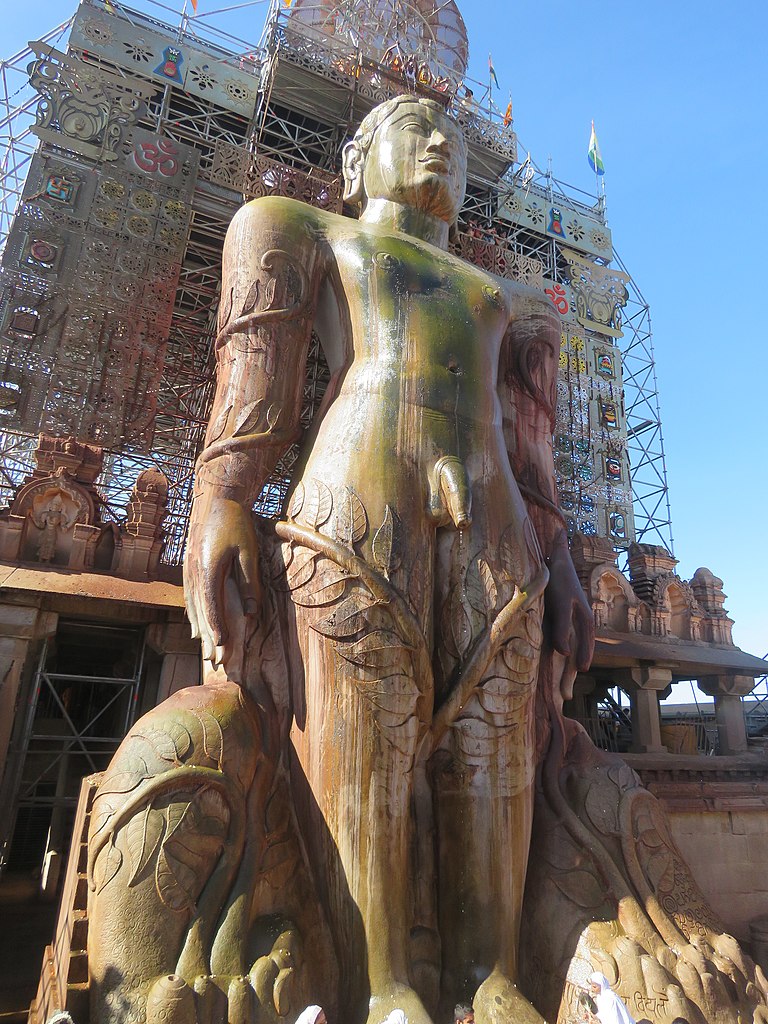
728	852
718	813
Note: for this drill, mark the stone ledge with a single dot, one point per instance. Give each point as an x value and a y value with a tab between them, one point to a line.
88	584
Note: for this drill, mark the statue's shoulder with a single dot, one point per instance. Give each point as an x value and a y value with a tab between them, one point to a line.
527	301
282	212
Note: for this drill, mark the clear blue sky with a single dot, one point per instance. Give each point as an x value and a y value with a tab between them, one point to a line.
677	92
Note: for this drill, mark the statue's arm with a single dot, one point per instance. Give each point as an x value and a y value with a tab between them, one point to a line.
528	393
272	265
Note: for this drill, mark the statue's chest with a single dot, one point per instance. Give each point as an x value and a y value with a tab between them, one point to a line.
393	279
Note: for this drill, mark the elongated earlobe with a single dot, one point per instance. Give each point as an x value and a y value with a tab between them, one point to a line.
352	167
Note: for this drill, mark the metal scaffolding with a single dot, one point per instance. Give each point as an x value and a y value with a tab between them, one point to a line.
309	86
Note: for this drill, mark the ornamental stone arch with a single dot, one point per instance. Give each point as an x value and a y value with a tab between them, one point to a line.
613	601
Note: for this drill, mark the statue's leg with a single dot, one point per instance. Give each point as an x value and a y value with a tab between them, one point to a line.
483	769
167	833
483	777
355	742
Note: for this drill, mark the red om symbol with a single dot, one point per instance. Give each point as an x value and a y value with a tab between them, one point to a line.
159	156
557	294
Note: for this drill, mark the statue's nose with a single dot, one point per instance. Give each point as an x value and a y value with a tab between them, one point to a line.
438	141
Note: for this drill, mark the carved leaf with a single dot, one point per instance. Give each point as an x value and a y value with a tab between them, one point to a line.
602	807
248	419
347	618
532	543
301	570
213	738
509	555
186	857
624	777
142	838
219	425
251	298
385	547
320	505
660	871
379	649
107	865
500	695
326	587
269	293
225	308
351	519
279	863
461	626
123	782
175	882
482	592
192	845
297	501
277	814
581	888
211	814
274	412
170	743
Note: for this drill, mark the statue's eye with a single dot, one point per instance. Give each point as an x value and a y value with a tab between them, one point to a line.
416	126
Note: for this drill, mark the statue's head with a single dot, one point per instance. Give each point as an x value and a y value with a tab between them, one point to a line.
410	151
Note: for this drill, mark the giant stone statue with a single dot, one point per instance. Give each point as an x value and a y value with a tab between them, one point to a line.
342	814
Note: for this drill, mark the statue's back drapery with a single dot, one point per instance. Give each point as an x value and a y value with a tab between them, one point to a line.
343	813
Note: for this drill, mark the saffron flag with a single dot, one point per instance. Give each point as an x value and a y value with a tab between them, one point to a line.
508	115
492	71
593	153
194	5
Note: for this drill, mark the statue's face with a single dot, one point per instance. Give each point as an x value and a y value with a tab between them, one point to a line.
418	157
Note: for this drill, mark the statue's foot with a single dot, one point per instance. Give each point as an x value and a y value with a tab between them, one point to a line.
499	1001
397	997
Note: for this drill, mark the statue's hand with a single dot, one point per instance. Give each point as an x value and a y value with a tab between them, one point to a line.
571	623
221	573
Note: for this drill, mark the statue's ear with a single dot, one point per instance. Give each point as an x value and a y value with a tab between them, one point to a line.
352	162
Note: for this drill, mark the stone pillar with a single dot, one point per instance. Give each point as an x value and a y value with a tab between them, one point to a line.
182	660
20	627
644	683
729	711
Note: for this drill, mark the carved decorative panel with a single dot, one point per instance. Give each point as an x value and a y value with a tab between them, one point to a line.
253	175
89	278
84	109
229	82
600	294
590	442
580	228
499	259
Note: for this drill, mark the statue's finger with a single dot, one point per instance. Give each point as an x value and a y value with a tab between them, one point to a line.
249	583
212	599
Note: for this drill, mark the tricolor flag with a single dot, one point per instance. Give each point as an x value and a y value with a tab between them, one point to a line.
593	153
492	71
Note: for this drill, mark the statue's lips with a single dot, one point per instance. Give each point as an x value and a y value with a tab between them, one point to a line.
435	163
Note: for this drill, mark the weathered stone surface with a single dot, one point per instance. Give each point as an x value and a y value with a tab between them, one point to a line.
342	815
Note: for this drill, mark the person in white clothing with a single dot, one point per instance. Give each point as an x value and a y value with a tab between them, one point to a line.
312	1015
610	1009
